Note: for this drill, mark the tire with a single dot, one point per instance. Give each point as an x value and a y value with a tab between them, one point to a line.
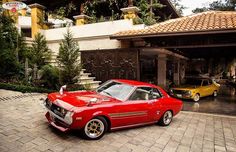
196	98
166	118
215	94
95	128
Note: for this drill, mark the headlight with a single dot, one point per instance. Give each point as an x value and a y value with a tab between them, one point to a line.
69	117
189	92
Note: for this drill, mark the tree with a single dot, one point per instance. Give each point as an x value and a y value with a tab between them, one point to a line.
8	39
41	54
69	59
178	6
147	11
219	5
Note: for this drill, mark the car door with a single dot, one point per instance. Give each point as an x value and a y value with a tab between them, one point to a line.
206	88
155	100
136	110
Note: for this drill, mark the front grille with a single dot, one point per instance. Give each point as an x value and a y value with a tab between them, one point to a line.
55	108
180	92
58	110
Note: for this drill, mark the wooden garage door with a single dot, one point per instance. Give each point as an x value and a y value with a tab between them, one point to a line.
111	64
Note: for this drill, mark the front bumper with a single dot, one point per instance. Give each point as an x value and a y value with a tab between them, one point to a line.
55	122
181	96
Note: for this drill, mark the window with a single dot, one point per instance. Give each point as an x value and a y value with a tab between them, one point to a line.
115	89
205	83
210	82
145	93
155	94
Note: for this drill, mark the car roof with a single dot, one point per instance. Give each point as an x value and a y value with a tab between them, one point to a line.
134	83
197	77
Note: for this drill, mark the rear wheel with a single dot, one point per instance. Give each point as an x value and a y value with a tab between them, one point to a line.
196	98
215	94
95	128
166	118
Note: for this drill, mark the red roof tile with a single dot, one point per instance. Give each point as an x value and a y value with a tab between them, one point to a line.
206	21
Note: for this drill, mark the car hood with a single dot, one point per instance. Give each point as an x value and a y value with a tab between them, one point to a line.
80	98
185	87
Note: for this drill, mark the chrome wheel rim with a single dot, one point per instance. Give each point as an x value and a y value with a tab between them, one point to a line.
196	97
94	128
215	93
167	117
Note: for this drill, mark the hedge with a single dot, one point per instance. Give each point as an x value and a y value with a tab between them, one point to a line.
24	88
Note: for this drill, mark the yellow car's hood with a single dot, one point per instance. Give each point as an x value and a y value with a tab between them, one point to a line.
185	87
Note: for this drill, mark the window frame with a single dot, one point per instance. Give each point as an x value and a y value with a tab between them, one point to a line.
152	88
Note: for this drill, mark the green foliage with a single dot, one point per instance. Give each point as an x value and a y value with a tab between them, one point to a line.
68	59
147	9
8	53
63	11
41	54
50	77
219	5
23	88
179	7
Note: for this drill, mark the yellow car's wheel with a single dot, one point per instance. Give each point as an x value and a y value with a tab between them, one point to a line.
196	98
215	93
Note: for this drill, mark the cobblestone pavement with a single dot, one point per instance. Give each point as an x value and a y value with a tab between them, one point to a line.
23	127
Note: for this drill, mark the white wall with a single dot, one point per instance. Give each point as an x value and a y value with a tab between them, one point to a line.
90	36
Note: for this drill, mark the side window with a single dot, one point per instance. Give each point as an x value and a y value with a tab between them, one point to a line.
155	94
210	82
205	83
145	93
141	93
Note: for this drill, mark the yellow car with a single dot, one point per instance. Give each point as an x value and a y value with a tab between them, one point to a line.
195	88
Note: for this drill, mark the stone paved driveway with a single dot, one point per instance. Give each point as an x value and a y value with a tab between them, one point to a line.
23	127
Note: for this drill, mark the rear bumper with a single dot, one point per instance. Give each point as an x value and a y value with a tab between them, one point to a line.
59	125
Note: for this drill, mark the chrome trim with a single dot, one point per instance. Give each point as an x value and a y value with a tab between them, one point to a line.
127	114
58	117
134	125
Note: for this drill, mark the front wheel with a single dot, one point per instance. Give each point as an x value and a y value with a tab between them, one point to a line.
166	119
196	98
95	128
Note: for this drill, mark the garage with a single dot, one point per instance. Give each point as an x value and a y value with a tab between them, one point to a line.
201	45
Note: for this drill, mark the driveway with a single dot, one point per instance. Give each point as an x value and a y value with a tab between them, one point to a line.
23	127
224	103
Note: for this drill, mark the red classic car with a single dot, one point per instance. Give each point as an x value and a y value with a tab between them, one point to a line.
115	104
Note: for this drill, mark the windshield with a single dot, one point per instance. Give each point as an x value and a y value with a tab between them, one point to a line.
194	82
115	89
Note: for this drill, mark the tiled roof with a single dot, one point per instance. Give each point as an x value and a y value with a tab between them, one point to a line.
206	21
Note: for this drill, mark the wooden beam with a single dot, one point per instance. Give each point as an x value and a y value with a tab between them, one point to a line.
198	46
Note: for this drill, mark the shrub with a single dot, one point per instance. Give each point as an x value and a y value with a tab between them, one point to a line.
50	77
69	60
23	88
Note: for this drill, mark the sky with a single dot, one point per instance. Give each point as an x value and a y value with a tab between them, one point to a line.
192	4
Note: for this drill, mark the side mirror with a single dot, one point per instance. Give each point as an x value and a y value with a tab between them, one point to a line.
62	89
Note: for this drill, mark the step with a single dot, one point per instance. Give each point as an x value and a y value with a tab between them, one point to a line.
85	74
90	83
86	78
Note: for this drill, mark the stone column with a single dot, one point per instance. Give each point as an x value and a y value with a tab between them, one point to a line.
23	12
81	19
130	12
177	72
37	18
161	70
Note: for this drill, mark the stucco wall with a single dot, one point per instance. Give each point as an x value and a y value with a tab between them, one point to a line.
90	36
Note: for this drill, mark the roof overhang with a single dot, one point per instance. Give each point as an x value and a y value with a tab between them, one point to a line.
166	34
